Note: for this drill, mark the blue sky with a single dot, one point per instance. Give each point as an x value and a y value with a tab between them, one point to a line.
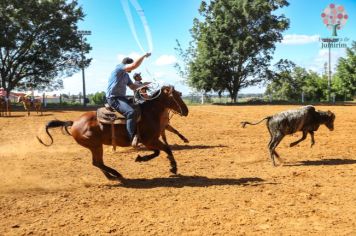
168	20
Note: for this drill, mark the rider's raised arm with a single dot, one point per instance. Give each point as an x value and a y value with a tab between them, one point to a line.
136	63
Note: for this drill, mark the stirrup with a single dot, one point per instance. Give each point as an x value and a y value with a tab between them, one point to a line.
134	142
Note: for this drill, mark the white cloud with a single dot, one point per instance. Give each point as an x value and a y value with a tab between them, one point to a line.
166	60
293	39
323	57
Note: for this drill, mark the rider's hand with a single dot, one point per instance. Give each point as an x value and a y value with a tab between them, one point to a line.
148	54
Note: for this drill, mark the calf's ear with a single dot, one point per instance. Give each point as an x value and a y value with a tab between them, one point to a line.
331	114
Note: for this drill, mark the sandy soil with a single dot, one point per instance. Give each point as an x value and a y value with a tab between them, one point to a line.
227	186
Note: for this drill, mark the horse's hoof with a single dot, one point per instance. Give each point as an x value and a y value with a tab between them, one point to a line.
174	170
176	176
121	179
186	141
139	158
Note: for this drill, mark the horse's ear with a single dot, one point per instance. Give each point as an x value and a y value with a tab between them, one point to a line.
167	90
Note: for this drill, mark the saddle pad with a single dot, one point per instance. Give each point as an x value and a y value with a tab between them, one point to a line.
108	117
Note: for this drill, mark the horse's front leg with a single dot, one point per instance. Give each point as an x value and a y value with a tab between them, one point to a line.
147	157
173	130
158	145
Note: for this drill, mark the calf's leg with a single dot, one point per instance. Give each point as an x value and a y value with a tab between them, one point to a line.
301	139
312	138
276	139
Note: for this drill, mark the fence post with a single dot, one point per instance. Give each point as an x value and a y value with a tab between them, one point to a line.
44	99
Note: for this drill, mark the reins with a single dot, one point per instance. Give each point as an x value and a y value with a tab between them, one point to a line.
138	91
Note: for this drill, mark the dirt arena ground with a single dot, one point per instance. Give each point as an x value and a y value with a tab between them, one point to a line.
227	184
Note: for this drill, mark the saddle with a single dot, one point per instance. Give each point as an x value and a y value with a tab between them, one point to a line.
108	115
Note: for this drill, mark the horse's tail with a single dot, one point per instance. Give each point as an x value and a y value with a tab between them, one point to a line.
244	123
55	124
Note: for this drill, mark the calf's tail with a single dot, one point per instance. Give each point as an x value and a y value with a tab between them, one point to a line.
244	123
55	124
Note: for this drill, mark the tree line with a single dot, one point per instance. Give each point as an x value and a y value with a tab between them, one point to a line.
232	47
291	82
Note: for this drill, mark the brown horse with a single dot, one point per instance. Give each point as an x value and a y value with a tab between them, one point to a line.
91	134
4	106
166	126
36	104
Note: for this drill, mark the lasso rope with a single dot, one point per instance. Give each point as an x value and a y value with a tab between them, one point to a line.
140	12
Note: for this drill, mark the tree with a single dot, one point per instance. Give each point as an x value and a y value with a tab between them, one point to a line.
315	87
346	74
39	43
232	46
289	82
98	98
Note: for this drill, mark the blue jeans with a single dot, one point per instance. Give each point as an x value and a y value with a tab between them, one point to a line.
121	104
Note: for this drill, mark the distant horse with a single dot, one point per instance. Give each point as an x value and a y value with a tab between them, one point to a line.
4	106
90	133
35	103
166	126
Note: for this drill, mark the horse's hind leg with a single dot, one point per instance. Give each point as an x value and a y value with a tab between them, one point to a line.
173	130
110	173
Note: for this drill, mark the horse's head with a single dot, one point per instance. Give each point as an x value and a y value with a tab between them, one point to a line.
173	100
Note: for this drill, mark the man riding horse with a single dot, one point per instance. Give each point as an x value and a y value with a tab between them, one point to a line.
116	93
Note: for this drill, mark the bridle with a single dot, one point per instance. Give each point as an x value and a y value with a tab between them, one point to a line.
171	89
170	95
138	91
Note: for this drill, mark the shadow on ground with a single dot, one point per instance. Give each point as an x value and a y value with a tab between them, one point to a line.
327	162
189	147
180	181
175	147
13	116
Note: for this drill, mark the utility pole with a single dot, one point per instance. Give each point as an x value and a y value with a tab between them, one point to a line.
82	33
